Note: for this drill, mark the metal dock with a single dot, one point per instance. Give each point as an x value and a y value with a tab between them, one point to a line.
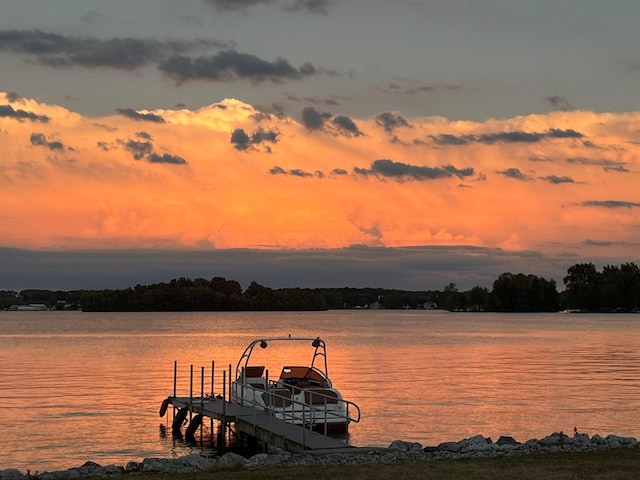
243	421
260	425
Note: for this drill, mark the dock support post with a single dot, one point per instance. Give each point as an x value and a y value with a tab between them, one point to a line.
190	390
175	382
213	364
201	401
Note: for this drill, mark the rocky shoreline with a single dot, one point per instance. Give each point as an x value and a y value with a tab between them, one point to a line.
477	446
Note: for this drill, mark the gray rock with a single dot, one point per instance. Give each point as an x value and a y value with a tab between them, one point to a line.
474	444
506	440
11	474
628	441
581	439
449	446
406	446
232	460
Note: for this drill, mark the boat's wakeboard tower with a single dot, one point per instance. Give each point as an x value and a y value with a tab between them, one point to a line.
290	375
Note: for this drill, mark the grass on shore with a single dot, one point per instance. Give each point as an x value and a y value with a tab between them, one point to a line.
616	464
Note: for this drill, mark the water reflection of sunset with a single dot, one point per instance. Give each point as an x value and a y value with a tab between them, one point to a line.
417	376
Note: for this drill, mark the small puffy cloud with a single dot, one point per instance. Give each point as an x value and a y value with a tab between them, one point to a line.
144	150
295	172
138	149
514	173
13	96
240	139
312	119
9	112
346	125
230	65
243	142
401	171
143	117
390	121
40	140
554	179
166	158
145	135
560	103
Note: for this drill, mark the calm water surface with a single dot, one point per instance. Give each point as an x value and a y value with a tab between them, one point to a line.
82	386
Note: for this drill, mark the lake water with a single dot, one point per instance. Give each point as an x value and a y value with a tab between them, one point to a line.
87	386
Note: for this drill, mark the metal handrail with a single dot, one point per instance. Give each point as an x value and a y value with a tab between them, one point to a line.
324	412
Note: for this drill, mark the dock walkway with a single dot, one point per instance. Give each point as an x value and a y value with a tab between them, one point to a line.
261	425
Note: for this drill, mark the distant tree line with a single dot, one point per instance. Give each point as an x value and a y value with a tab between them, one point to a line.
613	289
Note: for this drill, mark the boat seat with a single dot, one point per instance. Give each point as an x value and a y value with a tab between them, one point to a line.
320	396
253	371
281	397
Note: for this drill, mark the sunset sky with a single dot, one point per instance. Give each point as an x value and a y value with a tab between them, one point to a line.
316	143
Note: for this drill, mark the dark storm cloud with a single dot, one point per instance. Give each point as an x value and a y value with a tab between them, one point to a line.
390	121
401	171
166	158
311	6
242	141
8	111
560	103
504	137
339	171
230	65
40	140
610	204
143	117
557	180
60	51
346	125
514	173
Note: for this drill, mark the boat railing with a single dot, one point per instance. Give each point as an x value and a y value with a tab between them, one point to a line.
278	400
276	404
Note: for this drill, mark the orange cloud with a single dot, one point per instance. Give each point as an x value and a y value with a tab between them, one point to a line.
167	178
